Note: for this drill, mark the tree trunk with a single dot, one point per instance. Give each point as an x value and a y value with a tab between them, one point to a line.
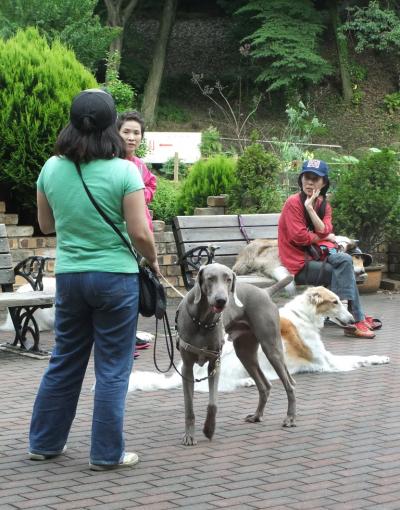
342	50
118	16
153	84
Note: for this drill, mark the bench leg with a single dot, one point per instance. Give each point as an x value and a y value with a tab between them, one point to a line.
27	334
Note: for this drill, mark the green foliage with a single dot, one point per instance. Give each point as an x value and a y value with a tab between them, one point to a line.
392	102
37	84
165	201
285	44
168	168
210	142
358	96
172	113
367	200
207	177
358	73
71	21
374	27
257	188
301	126
123	93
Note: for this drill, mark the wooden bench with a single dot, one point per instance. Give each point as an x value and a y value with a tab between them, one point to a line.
22	306
202	239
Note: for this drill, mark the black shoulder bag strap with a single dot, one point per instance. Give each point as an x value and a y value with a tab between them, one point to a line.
167	329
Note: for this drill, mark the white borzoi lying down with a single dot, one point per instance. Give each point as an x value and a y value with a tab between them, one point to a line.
302	319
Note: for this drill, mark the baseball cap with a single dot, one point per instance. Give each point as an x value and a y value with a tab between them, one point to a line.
316	166
96	105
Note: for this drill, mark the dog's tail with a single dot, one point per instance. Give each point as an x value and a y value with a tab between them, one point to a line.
279	285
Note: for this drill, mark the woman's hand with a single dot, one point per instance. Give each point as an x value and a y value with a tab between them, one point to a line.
310	201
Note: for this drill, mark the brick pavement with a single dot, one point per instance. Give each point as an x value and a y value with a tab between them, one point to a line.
343	455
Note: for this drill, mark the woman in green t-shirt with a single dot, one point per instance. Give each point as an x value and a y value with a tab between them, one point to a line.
97	280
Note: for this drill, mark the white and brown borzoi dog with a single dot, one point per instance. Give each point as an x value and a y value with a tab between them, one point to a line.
301	321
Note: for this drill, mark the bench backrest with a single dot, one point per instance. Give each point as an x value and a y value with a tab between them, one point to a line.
222	231
7	276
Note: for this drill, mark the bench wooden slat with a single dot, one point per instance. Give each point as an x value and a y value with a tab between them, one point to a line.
228	220
226	234
34	298
7	276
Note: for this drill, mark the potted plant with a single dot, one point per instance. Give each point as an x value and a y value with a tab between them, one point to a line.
366	204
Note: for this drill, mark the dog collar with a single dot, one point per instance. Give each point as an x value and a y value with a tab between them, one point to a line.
211	325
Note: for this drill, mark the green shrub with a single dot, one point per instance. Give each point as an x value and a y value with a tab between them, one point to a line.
165	202
214	176
168	168
123	93
257	188
392	102
367	200
172	113
37	84
210	142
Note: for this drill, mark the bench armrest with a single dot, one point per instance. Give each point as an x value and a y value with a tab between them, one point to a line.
191	261
32	269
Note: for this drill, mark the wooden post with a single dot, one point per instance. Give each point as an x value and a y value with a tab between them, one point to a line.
176	167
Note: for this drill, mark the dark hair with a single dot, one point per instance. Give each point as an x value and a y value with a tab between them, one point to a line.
132	115
321	210
87	145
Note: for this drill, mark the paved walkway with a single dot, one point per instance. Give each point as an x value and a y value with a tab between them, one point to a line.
344	453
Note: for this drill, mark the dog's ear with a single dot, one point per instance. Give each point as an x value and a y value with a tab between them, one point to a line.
315	297
233	289
197	286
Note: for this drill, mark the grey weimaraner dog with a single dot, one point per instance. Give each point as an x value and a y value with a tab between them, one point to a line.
250	319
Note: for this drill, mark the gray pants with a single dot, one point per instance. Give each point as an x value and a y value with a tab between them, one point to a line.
337	273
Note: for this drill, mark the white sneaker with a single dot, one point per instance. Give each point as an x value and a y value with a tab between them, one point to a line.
146	337
45	456
129	460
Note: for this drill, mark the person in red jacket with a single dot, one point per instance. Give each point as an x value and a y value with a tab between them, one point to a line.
307	246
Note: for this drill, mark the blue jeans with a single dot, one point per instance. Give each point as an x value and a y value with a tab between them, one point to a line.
99	309
337	273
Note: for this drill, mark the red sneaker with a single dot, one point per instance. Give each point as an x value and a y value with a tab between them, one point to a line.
373	323
359	330
136	355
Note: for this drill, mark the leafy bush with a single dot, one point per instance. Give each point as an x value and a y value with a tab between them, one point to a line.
73	22
172	113
257	188
392	101
165	202
214	176
367	200
168	168
37	84
123	93
210	142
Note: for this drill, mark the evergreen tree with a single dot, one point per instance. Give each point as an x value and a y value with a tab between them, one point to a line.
286	43
37	84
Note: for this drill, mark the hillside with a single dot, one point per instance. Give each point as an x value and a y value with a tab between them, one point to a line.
206	46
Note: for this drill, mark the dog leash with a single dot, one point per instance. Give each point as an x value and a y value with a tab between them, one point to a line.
172	287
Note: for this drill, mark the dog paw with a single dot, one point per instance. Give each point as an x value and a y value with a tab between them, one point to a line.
289	421
253	418
188	440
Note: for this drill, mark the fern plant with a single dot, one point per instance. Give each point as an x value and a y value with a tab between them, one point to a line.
285	44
